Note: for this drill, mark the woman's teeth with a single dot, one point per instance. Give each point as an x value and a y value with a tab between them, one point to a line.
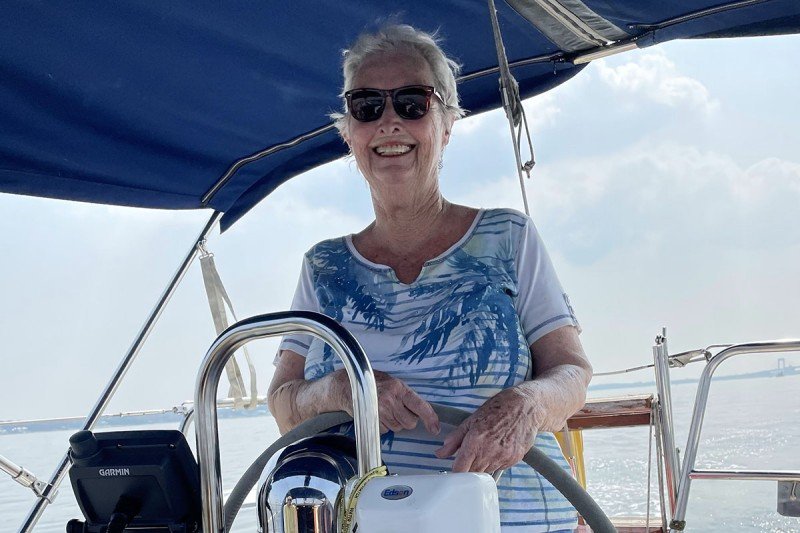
393	149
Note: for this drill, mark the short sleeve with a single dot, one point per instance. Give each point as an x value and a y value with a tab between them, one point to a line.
542	304
305	299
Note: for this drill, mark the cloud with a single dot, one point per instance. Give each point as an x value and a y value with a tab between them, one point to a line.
472	124
654	193
541	112
654	76
759	181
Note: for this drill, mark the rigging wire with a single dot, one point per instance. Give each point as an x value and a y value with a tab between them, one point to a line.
512	105
677	360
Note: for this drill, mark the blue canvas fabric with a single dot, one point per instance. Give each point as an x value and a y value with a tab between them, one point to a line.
457	335
150	103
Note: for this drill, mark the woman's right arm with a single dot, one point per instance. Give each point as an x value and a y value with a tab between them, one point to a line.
293	399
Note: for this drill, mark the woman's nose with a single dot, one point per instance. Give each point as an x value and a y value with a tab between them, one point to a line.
390	120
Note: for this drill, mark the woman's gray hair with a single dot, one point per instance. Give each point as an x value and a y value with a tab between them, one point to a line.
405	39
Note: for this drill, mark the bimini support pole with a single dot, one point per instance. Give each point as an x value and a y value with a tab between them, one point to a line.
23	476
111	388
509	91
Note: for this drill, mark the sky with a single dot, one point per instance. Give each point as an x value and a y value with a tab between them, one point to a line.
667	190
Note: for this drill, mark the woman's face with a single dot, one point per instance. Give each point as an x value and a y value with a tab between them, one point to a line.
394	153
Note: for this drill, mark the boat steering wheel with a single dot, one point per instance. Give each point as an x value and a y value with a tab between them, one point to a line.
563	482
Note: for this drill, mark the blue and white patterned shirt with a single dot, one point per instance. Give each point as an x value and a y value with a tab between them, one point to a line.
457	335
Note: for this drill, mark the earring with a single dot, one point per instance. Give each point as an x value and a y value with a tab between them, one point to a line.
440	164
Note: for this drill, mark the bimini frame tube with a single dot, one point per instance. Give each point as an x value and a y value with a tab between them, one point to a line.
692	442
362	387
21	475
111	388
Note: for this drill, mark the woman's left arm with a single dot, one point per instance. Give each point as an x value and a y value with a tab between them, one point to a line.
562	375
501	431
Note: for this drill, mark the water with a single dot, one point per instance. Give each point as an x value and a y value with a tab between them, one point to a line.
749	424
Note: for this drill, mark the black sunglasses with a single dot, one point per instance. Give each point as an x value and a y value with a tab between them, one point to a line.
411	102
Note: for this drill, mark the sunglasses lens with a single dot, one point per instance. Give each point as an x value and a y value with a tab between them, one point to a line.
366	106
412	103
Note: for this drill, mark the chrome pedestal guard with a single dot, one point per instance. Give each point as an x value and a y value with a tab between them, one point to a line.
688	471
362	387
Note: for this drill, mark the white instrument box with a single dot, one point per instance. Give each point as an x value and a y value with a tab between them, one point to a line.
437	503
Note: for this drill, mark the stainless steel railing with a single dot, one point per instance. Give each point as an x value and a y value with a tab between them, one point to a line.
664	388
687	470
362	386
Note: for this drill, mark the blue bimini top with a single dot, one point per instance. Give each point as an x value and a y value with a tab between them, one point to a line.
186	105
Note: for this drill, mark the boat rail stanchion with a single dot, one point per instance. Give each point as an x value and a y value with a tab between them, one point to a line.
688	471
671	464
362	387
111	387
656	407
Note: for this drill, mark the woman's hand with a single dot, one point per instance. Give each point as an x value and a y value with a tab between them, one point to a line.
399	407
502	430
497	435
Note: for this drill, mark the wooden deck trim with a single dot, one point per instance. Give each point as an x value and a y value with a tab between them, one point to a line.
627	524
624	411
637	525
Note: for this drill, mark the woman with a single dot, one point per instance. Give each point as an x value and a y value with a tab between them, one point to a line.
452	304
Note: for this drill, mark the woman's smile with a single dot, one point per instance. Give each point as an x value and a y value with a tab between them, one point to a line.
393	150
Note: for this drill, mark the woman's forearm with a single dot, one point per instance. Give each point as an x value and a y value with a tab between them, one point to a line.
295	401
556	395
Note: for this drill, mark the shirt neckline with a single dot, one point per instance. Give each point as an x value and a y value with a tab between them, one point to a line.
348	239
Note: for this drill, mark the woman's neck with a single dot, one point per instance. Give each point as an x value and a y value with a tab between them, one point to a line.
404	226
405	238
